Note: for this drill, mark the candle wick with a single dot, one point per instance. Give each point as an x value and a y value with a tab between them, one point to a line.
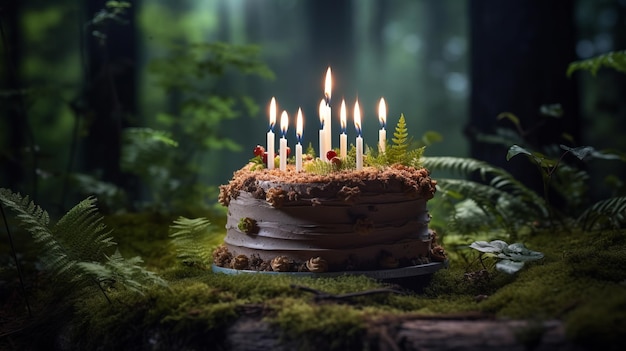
327	99
271	128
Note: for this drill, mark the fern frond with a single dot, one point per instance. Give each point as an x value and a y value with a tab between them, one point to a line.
35	221
497	207
142	146
497	178
73	251
188	236
414	157
31	217
397	152
611	211
82	232
615	60
127	272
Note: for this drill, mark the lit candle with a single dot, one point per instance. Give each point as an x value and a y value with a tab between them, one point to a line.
359	138
299	140
382	117
284	121
323	147
328	125
270	135
343	137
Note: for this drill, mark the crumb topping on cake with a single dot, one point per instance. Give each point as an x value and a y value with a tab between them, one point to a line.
278	186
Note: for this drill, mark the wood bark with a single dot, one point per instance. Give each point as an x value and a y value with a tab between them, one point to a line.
520	51
250	333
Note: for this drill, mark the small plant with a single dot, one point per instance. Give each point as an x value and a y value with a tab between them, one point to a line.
611	209
193	240
400	151
77	250
511	258
190	75
615	60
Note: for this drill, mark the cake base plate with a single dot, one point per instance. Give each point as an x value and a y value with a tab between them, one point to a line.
410	271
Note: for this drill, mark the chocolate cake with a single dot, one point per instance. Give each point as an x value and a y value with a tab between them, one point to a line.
287	221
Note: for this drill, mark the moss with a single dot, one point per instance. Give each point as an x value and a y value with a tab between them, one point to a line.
320	326
600	323
578	281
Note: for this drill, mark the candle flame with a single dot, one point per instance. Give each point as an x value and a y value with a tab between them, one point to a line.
322	111
284	123
357	118
342	115
382	113
327	87
299	125
272	113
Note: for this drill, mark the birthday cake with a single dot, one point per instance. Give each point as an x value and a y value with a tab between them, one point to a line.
345	211
349	220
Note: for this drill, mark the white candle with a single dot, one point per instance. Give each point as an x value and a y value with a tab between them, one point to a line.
323	147
382	133
270	135
299	141
284	121
328	125
343	137
359	138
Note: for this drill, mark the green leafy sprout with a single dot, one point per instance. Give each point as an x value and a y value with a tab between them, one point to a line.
511	258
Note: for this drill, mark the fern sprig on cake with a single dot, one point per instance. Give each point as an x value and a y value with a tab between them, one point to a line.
399	152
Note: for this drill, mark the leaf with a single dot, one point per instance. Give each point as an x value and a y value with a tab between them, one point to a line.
189	236
508	266
611	210
615	60
518	252
587	152
494	246
581	152
431	137
511	117
397	152
516	150
551	110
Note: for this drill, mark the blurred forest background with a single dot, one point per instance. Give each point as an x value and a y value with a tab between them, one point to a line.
156	103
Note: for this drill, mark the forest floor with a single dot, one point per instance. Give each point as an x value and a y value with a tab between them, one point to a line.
572	299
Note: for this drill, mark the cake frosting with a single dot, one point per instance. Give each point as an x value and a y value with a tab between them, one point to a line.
375	218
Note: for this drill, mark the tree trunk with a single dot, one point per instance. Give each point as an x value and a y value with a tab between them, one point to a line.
110	95
19	162
520	53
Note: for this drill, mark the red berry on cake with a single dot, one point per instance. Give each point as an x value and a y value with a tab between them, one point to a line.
258	150
264	157
330	154
288	151
336	161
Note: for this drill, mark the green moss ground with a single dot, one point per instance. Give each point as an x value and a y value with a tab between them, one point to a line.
581	280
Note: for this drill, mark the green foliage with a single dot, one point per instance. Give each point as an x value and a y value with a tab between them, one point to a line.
500	184
74	250
398	152
113	12
570	183
129	273
401	151
605	213
191	237
615	60
194	77
511	258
